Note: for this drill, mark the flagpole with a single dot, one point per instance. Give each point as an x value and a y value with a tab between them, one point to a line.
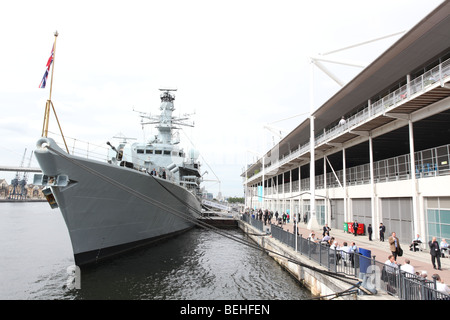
53	67
49	101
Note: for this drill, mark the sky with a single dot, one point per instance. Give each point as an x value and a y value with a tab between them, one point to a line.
237	66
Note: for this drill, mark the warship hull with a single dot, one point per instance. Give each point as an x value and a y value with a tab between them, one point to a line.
110	209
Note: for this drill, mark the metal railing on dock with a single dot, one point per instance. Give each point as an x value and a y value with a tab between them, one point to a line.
375	274
258	224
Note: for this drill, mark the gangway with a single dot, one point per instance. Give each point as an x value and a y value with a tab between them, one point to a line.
213	204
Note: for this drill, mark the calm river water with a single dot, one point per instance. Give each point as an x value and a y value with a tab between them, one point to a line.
197	265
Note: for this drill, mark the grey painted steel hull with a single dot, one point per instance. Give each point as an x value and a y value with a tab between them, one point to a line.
105	218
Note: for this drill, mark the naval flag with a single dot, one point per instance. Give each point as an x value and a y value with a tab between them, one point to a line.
47	70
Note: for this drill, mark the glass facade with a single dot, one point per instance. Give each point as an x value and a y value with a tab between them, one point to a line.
438	218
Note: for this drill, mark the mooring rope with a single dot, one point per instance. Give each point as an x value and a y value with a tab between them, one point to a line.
189	218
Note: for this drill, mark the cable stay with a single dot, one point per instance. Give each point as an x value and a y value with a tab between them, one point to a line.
352	290
197	222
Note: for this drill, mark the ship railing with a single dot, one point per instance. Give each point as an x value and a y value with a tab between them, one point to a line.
94	151
80	148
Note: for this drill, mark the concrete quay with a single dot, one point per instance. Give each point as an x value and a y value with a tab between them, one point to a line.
323	285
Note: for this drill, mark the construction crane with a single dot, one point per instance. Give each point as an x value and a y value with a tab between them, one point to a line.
23	182
15	182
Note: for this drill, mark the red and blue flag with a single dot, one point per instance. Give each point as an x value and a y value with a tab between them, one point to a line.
47	70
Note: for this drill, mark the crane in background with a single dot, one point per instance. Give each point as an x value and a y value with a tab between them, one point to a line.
14	194
23	183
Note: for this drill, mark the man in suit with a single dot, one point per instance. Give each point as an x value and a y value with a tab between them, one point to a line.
326	230
382	231
355	227
435	253
394	245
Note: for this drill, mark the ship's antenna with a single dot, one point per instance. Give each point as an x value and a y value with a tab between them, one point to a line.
49	101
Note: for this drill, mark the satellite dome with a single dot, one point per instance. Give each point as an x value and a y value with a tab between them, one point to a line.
194	154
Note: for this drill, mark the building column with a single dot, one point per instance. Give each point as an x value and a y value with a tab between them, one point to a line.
408	86
373	201
344	173
290	181
278	195
312	223
284	194
327	211
262	183
290	193
300	201
414	187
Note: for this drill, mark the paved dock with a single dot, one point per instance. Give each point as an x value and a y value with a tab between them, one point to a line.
420	260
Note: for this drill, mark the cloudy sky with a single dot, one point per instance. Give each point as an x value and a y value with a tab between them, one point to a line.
238	65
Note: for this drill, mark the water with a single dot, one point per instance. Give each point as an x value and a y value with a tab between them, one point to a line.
197	265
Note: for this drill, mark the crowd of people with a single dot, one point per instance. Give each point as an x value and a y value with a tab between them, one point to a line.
345	251
267	216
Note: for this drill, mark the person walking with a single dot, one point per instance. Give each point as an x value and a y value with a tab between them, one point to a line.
382	231
394	245
369	230
353	251
355	227
435	253
326	230
444	248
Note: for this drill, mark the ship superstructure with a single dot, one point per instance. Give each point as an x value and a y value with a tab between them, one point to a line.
145	191
161	156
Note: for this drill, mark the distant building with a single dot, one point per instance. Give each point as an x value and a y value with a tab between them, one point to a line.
207	195
4	188
30	191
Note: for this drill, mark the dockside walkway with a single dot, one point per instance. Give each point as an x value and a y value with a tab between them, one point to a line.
420	260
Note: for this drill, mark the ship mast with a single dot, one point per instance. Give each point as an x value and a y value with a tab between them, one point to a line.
49	101
166	122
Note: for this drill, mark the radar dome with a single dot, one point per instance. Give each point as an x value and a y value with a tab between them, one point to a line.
194	154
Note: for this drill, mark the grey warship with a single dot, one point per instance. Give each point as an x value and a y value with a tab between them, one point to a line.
145	191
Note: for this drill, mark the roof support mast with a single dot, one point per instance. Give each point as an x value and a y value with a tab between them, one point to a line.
317	60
